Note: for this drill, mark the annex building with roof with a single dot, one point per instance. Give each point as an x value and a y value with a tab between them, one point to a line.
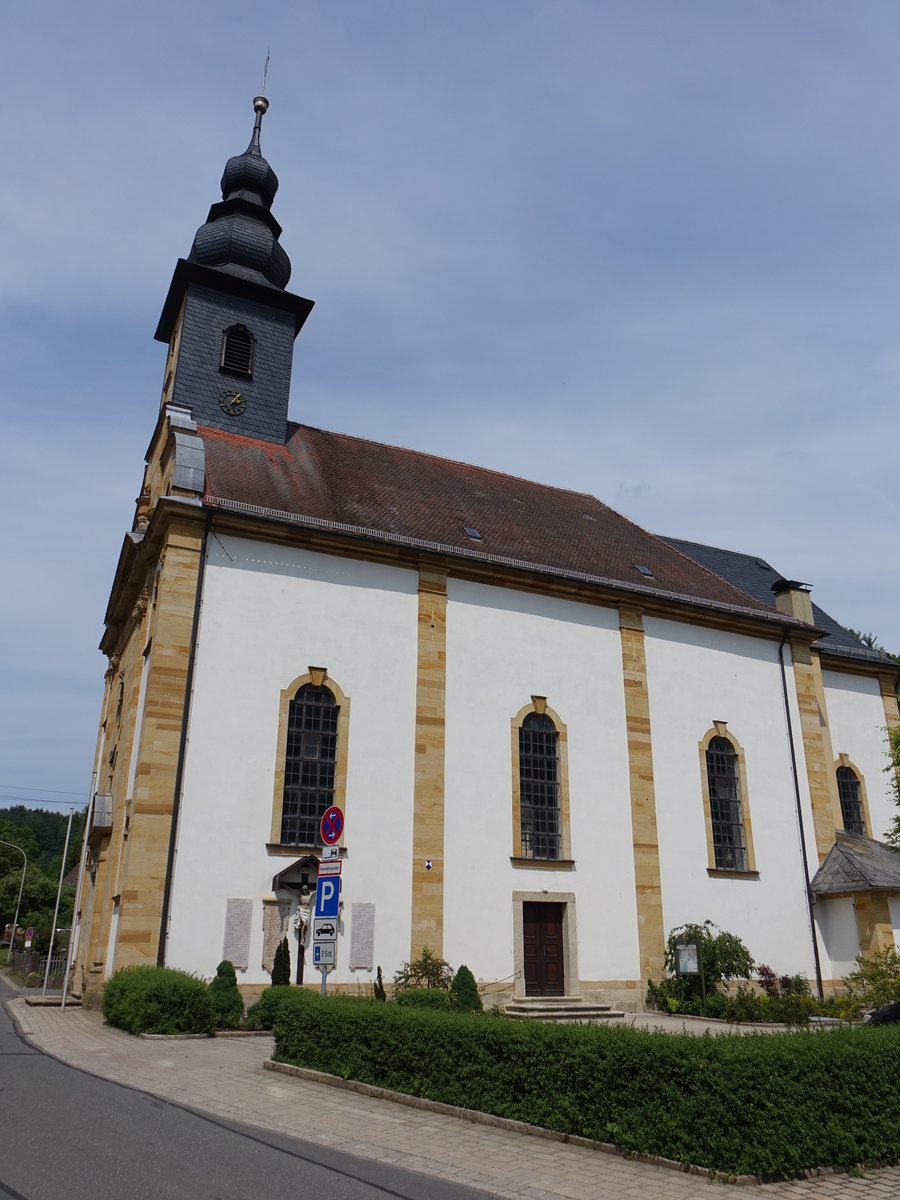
554	736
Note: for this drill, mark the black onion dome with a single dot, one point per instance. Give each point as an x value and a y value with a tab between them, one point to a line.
241	235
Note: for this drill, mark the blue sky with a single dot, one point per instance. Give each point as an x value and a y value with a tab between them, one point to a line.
648	249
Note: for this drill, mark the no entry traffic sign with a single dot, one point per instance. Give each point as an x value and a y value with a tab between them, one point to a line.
332	825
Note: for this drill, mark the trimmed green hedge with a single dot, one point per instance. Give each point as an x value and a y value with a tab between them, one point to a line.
158	1000
771	1105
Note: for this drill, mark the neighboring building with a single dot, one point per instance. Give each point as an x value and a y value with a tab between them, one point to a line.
553	735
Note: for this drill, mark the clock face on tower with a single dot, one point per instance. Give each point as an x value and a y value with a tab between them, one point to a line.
232	402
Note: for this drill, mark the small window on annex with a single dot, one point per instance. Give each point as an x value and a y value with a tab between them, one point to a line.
310	764
851	801
238	349
726	814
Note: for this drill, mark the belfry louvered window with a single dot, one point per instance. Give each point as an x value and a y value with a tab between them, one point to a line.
539	787
309	766
725	806
238	346
851	804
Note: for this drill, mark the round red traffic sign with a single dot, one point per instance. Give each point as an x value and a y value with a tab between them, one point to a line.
332	825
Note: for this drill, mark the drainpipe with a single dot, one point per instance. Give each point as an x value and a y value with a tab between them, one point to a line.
810	900
182	748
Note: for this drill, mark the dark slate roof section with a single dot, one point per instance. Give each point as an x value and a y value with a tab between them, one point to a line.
755	577
857	864
364	488
240	235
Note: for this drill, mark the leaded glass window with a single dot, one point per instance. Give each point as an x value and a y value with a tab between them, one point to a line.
539	787
725	806
851	804
309	764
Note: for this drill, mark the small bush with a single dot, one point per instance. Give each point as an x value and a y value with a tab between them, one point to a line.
432	998
426	971
281	967
226	998
158	1000
876	980
464	991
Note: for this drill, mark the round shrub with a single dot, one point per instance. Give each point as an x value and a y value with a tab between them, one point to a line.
226	998
278	999
158	1000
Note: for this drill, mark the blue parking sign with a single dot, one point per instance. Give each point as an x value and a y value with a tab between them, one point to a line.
328	894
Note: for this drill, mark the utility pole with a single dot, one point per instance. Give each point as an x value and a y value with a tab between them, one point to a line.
62	873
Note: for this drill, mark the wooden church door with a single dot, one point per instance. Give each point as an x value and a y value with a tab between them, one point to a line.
542	931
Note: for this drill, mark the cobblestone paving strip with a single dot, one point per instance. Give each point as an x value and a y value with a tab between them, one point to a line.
224	1077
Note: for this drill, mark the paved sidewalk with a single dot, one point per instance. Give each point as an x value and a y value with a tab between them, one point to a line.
224	1077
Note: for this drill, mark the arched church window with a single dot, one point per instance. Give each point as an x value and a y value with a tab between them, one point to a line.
238	346
726	811
310	764
539	787
851	801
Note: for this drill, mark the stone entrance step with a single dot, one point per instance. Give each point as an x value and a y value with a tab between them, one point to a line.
564	1008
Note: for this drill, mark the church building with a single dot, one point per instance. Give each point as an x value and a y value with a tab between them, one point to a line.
553	736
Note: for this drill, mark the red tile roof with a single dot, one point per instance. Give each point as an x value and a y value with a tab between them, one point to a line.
332	477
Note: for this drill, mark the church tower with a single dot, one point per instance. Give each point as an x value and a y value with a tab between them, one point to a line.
228	320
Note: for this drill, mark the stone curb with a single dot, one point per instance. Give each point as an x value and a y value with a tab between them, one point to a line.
193	1037
482	1118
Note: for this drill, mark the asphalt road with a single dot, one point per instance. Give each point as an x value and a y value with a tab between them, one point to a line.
66	1135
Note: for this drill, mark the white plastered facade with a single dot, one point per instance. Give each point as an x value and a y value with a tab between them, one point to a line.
270	612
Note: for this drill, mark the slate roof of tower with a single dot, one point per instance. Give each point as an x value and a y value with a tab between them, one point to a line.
856	864
401	495
755	577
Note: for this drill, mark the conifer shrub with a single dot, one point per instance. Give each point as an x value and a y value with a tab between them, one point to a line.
771	1106
378	986
464	991
226	997
158	1000
281	967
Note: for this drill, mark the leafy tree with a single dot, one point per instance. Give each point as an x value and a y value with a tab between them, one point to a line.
870	640
281	967
892	837
724	955
41	835
426	971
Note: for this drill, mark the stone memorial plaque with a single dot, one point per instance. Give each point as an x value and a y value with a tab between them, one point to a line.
236	944
362	936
